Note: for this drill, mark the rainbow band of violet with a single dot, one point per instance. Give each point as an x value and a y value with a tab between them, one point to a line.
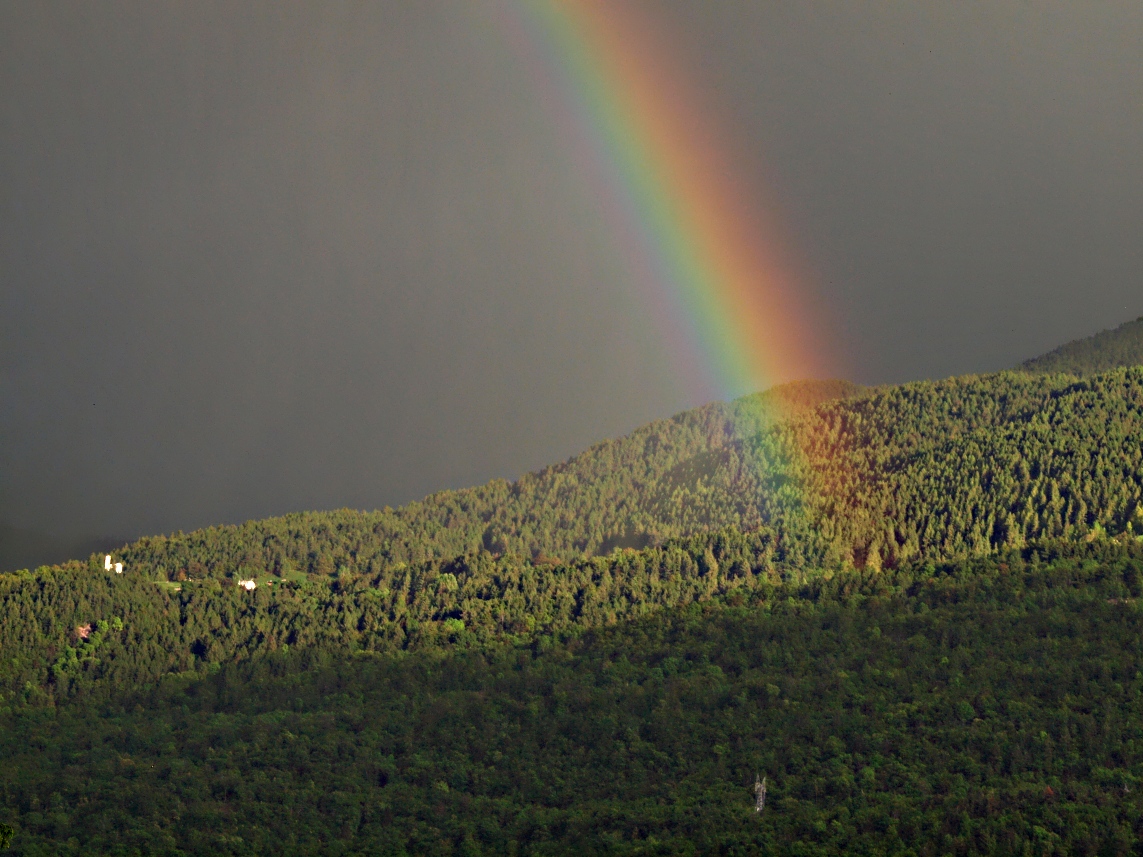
710	263
669	190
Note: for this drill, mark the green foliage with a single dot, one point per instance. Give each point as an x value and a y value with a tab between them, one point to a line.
6	834
1109	349
665	480
913	608
62	647
934	469
968	466
986	706
921	472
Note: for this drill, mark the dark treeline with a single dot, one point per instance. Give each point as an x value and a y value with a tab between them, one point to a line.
841	477
991	705
1109	349
915	609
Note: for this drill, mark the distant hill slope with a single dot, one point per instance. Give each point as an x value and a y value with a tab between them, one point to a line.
22	548
839	475
931	469
1108	349
829	463
792	610
664	480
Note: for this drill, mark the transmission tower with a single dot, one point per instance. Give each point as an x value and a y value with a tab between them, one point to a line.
759	793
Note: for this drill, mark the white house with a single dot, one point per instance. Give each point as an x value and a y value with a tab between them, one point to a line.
248	585
118	568
107	563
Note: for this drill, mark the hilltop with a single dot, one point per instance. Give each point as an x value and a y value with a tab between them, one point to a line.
698	471
726	497
23	548
875	476
840	474
915	608
1108	349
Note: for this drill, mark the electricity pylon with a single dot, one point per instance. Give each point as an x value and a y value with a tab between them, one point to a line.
759	793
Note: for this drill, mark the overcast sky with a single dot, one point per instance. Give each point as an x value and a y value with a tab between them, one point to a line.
265	257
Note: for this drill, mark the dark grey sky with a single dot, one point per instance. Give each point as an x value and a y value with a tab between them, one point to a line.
263	257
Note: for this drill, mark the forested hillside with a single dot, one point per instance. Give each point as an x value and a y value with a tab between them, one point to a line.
870	480
664	480
725	465
861	477
987	706
1108	349
913	608
78	630
20	547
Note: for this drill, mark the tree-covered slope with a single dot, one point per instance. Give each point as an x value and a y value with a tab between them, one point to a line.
21	547
913	607
989	706
1108	349
935	469
651	485
841	471
77	630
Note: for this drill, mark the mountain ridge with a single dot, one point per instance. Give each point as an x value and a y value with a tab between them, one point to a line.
915	609
1108	349
886	471
500	516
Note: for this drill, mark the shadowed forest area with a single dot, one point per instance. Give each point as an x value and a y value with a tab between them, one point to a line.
982	706
915	609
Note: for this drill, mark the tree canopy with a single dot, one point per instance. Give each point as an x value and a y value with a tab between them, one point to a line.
914	609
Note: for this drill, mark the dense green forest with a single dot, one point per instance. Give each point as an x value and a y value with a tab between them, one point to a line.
24	548
76	629
933	468
799	456
1109	349
844	476
913	608
992	705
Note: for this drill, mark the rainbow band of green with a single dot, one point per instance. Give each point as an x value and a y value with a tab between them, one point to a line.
707	252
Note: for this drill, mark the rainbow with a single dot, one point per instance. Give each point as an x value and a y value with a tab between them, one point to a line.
711	263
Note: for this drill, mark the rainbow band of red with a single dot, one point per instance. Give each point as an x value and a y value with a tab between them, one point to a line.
672	194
